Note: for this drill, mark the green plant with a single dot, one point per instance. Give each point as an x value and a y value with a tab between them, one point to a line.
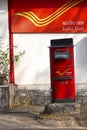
5	62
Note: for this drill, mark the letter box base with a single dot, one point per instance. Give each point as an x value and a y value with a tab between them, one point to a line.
63	100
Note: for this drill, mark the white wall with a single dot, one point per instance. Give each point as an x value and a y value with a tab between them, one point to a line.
34	67
81	60
3	22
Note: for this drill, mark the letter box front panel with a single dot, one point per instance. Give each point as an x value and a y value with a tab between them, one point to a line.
61	56
62	71
62	91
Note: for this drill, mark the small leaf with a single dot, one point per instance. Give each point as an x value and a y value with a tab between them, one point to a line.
16	58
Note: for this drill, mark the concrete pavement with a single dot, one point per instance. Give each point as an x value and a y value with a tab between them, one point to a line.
34	119
26	121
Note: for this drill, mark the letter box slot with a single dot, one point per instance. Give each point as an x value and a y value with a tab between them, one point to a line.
61	55
63	78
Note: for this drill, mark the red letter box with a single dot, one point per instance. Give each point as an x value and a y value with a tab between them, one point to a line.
62	70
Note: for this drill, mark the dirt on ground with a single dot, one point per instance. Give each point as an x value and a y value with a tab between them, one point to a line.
35	119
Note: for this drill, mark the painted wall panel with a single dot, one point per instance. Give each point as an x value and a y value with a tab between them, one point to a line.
3	22
34	67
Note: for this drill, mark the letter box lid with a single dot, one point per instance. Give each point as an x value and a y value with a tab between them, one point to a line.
67	42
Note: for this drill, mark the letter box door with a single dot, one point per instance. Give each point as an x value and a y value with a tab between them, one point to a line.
62	91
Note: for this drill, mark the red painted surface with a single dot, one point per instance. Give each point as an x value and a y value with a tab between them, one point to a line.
11	51
62	75
48	16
